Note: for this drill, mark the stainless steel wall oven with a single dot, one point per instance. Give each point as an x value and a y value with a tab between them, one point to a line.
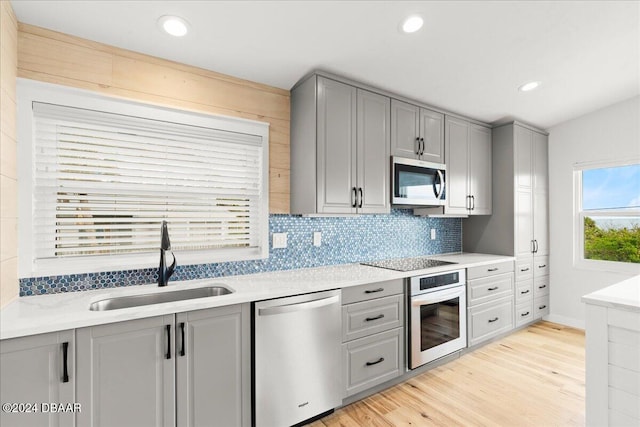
437	316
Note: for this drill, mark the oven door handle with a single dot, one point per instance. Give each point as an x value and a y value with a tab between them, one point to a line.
435	297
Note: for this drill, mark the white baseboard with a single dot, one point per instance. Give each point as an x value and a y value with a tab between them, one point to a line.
567	321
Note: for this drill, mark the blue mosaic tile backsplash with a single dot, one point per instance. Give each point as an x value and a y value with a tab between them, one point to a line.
344	240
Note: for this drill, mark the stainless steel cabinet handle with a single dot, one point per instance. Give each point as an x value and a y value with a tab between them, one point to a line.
492	269
495	319
370	319
65	362
267	311
493	288
376	362
536	246
533	246
373	291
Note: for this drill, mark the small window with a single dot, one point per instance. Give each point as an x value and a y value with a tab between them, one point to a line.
608	216
104	174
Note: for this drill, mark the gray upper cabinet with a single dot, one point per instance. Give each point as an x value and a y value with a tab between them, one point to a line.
416	133
33	371
339	149
468	154
186	369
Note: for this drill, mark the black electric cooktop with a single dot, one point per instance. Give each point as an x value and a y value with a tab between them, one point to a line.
407	264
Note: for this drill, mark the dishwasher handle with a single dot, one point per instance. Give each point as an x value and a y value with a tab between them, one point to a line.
287	308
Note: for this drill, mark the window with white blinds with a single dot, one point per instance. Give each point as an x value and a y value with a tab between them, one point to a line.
103	182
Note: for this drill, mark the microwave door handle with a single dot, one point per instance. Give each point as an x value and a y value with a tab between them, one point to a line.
439	183
430	298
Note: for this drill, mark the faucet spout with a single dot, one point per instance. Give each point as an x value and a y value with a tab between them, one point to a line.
164	271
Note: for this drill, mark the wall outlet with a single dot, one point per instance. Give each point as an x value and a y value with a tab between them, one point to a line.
279	240
433	234
317	238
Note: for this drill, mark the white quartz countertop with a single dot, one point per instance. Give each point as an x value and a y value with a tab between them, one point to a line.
624	295
56	312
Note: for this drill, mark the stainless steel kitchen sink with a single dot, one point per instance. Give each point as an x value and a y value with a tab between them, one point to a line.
158	298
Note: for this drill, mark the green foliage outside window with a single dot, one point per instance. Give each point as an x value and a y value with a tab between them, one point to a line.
611	244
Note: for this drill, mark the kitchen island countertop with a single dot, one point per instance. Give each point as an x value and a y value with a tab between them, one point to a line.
56	312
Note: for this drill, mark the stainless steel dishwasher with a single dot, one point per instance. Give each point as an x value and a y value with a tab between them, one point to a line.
297	352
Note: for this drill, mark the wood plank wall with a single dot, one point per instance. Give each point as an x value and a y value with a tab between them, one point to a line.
67	60
8	182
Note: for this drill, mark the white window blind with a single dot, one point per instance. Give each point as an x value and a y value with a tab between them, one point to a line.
103	182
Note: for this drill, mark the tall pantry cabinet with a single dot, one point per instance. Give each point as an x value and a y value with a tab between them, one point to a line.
519	224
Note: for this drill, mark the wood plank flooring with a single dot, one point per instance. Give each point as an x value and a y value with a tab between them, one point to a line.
534	377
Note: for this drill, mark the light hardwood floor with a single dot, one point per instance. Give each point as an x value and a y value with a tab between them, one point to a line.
534	377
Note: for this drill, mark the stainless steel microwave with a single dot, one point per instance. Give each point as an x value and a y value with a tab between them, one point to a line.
417	183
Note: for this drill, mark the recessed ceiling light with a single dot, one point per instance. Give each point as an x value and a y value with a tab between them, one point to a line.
173	25
529	86
412	24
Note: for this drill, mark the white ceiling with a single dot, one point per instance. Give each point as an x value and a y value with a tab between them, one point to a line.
469	57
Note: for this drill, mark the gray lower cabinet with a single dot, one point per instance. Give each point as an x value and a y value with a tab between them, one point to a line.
339	149
490	290
38	371
372	335
186	369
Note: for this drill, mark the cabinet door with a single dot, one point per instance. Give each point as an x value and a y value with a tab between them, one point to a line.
523	157
405	122
457	155
373	145
336	146
524	224
213	362
480	170
540	193
32	371
126	373
540	161
432	133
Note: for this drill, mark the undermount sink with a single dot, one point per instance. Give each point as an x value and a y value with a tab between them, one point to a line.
158	298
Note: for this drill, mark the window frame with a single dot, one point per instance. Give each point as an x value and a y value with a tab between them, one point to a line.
579	261
29	91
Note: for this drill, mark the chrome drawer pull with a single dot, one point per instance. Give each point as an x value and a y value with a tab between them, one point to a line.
372	291
379	316
493	269
524	292
493	320
524	314
492	289
376	362
524	269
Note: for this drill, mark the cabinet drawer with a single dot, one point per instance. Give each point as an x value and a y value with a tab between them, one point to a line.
489	289
372	290
541	286
524	269
524	291
489	270
369	317
490	319
524	313
372	360
540	307
541	265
